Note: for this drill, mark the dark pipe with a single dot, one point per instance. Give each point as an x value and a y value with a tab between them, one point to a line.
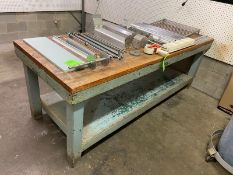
184	3
83	17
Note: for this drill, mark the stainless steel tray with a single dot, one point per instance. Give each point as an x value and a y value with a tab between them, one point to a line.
175	27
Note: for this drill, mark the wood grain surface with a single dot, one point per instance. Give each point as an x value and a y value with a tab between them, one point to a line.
77	81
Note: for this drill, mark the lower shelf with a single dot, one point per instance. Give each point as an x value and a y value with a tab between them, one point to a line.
108	112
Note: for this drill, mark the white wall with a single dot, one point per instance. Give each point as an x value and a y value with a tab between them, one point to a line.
213	18
39	5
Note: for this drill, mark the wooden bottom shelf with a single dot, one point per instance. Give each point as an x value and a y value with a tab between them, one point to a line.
109	111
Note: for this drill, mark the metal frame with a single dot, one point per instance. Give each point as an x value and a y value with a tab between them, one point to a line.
70	119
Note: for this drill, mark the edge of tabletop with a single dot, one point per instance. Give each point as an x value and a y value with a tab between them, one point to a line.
17	44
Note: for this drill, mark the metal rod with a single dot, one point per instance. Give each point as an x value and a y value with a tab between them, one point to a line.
72	48
103	53
101	40
96	45
100	44
80	47
83	17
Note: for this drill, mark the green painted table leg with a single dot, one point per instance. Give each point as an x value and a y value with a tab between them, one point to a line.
74	120
195	64
33	92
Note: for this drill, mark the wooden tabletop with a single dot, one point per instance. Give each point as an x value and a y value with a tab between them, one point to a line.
77	81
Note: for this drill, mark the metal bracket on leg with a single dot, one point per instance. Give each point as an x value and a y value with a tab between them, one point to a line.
33	92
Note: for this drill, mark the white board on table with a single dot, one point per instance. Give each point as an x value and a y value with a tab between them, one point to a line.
53	52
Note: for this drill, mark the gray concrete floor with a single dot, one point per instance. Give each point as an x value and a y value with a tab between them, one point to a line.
168	140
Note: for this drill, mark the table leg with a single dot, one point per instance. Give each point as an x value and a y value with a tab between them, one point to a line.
33	92
195	64
74	120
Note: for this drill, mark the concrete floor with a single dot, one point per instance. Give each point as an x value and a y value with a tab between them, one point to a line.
168	140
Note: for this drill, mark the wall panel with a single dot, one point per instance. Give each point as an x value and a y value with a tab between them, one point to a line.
213	18
39	5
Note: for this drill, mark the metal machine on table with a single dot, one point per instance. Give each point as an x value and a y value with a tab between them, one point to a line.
76	51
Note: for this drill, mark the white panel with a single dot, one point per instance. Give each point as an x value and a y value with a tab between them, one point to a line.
90	6
213	18
39	5
52	5
11	5
53	52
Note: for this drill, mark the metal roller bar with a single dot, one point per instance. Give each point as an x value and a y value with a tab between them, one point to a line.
101	40
80	46
72	48
84	44
102	53
99	43
104	44
95	46
98	46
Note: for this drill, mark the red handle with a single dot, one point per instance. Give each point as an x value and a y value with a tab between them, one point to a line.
154	46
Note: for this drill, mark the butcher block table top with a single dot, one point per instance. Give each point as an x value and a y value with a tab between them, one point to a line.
77	81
